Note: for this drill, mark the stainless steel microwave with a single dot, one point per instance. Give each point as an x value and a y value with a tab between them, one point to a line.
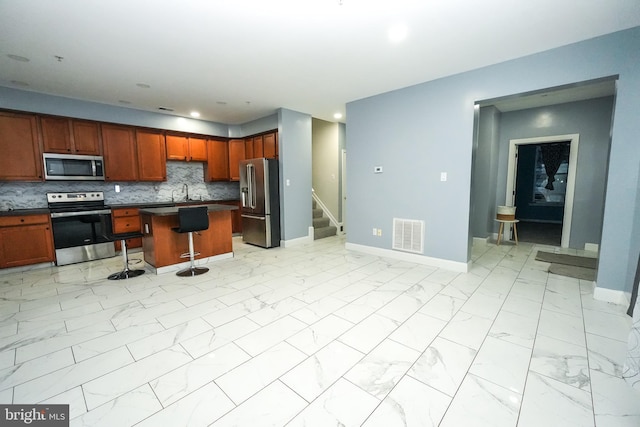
71	167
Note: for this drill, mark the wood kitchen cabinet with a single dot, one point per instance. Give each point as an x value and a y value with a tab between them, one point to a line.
120	154
186	148
126	220
20	145
236	154
236	215
217	167
197	149
67	136
25	240
270	143
258	147
152	163
261	146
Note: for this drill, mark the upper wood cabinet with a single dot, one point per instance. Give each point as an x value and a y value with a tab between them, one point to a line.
258	147
177	147
21	158
197	149
270	143
66	136
261	146
217	168
152	163
236	154
120	154
86	137
186	148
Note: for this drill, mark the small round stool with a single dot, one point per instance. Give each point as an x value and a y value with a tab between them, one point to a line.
507	221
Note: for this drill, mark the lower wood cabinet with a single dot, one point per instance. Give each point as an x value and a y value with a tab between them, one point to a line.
25	240
236	218
126	220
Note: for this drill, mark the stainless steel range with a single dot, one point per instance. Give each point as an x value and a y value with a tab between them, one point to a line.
81	226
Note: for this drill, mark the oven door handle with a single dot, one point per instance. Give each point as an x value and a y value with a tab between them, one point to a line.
80	213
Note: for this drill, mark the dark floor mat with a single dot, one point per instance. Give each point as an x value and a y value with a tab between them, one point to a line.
573	271
578	261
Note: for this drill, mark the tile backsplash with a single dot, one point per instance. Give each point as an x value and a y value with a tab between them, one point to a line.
28	195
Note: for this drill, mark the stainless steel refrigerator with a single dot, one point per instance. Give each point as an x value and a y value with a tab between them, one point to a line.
260	199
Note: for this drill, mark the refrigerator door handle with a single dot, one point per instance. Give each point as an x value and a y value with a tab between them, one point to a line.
261	218
251	176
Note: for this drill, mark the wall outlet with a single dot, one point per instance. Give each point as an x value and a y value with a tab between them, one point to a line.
379	232
375	231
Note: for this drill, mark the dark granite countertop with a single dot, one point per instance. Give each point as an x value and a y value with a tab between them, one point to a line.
173	210
167	204
18	212
143	205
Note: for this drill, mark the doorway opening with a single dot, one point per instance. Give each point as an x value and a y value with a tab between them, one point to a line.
541	184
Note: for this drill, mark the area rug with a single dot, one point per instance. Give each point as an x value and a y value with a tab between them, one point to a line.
570	265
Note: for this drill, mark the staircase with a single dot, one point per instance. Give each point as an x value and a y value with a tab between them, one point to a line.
321	225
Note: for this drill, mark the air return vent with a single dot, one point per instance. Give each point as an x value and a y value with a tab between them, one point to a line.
408	235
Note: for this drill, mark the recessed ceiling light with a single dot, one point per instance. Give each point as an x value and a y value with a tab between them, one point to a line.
143	85
397	33
18	58
337	116
194	114
19	83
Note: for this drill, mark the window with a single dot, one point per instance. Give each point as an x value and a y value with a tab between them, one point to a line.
542	194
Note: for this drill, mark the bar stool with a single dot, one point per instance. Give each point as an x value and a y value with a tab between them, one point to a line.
127	273
191	220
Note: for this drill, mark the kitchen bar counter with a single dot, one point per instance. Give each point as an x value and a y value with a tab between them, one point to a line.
162	246
173	210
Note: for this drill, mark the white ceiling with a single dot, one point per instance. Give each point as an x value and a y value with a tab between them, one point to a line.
238	60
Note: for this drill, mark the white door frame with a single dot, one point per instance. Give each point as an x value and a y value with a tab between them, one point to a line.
571	176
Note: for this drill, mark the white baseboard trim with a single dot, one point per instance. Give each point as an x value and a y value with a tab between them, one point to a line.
461	267
591	247
24	268
177	267
481	240
298	241
611	295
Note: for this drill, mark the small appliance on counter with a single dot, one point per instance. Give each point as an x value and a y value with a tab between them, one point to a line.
81	226
260	202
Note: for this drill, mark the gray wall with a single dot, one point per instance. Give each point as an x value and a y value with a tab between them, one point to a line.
420	131
294	133
592	120
253	127
326	164
484	182
48	104
342	145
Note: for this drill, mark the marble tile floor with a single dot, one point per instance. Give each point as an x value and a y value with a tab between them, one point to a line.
316	335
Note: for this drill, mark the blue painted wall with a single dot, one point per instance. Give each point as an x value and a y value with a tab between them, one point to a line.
294	133
420	131
590	119
21	100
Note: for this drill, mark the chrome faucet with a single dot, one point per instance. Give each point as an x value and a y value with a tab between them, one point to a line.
185	188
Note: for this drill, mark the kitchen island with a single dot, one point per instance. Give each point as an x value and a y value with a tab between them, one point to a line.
162	246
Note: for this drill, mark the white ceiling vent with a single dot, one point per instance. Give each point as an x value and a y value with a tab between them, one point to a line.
408	235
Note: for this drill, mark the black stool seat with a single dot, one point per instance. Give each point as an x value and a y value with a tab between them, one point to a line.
127	273
191	220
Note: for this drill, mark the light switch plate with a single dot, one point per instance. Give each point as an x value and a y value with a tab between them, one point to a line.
443	176
377	169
